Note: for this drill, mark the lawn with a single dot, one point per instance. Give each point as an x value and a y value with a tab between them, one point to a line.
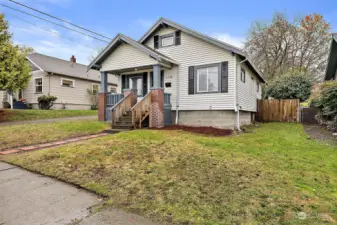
272	175
27	134
32	114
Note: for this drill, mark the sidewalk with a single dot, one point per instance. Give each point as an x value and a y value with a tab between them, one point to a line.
47	120
32	199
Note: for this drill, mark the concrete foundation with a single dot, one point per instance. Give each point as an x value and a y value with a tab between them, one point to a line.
214	118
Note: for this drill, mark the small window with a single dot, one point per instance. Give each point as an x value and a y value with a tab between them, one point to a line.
95	88
208	79
113	90
243	75
167	40
67	83
38	85
257	86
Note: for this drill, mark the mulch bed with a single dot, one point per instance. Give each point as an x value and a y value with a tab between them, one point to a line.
211	131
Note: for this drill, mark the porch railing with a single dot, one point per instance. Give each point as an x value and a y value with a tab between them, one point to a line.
111	100
121	108
141	110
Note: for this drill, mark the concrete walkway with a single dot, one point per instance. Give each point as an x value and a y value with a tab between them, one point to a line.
47	120
31	199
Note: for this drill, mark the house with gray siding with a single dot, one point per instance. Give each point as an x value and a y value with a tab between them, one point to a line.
201	80
67	80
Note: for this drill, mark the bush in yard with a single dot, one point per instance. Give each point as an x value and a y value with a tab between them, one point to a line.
327	103
46	101
293	85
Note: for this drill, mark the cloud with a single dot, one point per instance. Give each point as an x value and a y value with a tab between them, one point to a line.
144	22
232	40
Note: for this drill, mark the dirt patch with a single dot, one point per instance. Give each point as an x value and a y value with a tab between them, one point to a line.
4	114
211	131
320	133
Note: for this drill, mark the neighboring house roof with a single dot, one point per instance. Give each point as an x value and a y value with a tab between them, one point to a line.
63	67
332	59
123	38
196	34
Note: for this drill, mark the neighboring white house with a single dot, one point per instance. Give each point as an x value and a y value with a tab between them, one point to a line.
209	80
67	80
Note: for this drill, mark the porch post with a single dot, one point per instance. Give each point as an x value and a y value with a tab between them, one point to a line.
157	97
102	96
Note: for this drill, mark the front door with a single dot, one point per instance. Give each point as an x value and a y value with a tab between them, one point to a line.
137	84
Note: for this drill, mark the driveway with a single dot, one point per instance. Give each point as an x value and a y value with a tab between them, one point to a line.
31	199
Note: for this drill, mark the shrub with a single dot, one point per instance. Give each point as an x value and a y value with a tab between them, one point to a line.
46	101
327	103
295	85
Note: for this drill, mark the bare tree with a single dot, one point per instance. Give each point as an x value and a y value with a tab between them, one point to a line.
95	53
282	45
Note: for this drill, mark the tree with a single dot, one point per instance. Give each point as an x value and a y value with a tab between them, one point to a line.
282	45
14	68
95	53
291	85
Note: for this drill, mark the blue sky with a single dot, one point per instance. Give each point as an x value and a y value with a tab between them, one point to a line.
226	20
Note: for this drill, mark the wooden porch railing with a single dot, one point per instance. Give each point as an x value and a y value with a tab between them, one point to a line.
141	110
118	110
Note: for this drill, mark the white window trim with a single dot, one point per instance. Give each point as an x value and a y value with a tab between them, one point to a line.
167	36
68	80
35	85
207	67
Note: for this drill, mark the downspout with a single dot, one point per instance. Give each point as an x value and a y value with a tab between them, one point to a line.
177	97
238	107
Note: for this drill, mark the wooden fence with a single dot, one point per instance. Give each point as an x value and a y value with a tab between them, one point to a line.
278	110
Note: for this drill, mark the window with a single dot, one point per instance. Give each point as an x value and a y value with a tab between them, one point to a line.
208	79
113	90
257	86
167	40
243	75
38	85
67	83
95	88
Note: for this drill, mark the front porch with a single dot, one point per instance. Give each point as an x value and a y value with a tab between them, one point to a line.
141	101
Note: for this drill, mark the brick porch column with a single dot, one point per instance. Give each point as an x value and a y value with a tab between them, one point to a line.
157	97
102	96
132	92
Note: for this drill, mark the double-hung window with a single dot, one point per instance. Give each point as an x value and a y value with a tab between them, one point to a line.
95	88
207	79
38	85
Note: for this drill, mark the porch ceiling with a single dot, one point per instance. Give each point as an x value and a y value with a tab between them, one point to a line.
138	68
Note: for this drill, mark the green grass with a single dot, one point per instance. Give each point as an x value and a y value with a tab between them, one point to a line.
32	114
28	134
266	176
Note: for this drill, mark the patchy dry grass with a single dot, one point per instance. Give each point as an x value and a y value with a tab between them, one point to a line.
32	114
27	134
267	176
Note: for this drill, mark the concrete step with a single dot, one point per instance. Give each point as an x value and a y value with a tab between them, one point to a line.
122	126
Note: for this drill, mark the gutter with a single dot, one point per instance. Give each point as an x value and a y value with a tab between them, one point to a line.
177	97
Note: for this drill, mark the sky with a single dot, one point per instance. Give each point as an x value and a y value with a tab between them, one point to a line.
226	20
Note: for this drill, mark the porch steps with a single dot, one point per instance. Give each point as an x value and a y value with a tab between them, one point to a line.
125	123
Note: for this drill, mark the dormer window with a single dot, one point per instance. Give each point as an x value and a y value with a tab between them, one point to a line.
167	40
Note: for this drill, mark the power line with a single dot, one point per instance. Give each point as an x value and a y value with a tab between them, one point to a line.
47	30
65	21
29	14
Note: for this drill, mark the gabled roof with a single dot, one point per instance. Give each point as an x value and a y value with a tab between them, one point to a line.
62	67
330	72
123	38
198	35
